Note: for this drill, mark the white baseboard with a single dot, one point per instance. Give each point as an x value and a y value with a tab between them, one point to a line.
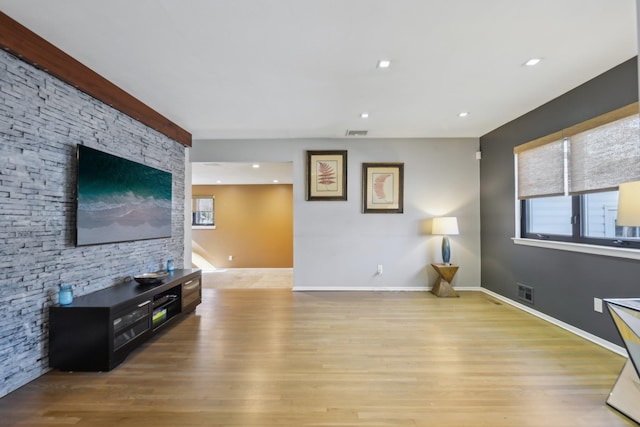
358	288
375	288
583	334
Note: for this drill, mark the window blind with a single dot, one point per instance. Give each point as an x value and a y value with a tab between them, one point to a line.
541	170
603	157
603	152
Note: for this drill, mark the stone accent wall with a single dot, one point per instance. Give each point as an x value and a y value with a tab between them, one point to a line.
42	119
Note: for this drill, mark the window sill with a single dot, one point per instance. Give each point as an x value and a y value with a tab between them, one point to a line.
580	247
203	227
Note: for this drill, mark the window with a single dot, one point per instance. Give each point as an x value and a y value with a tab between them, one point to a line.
202	210
567	183
588	218
549	216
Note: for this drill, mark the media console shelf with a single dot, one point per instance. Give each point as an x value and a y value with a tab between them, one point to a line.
98	330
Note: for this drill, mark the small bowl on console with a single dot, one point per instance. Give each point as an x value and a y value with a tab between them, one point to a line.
151	278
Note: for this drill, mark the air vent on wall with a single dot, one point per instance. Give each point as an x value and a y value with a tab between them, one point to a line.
357	132
525	293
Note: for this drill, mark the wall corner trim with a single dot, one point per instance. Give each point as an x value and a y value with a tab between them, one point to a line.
33	49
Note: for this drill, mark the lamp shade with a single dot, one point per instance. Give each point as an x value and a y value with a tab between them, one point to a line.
446	225
629	204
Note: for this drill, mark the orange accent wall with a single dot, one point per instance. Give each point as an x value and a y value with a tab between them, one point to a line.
254	224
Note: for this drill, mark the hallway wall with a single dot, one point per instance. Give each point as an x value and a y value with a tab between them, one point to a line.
254	225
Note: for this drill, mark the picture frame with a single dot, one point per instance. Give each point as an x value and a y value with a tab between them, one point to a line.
382	187
327	175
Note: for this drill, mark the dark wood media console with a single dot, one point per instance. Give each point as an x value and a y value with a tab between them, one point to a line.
98	330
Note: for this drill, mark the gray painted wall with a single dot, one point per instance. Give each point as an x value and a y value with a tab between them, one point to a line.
338	247
41	121
565	282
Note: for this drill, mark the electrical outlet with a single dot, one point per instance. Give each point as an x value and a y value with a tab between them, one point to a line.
379	271
230	257
597	305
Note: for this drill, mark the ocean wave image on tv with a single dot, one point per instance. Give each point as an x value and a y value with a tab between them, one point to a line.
120	200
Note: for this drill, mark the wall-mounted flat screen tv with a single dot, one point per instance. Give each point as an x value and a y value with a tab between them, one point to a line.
120	200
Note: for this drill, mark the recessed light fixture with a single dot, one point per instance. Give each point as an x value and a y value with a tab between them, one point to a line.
275	181
532	62
384	63
255	166
218	182
364	115
463	114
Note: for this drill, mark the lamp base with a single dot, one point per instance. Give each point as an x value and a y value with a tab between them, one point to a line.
446	251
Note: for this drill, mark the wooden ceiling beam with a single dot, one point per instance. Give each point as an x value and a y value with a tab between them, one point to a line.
33	49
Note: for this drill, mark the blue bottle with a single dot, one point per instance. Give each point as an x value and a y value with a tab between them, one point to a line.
170	267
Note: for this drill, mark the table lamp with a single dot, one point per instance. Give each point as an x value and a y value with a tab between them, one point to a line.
629	204
447	226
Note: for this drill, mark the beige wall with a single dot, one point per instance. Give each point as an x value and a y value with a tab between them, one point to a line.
254	224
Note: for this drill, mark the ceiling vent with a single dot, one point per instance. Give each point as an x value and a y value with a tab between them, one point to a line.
357	132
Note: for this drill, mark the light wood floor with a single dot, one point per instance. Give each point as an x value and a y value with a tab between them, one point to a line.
251	278
272	357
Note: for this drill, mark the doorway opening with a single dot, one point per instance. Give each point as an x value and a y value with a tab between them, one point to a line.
251	243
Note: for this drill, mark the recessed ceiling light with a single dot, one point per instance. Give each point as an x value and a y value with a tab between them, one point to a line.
463	114
384	63
218	182
364	115
255	166
275	181
532	62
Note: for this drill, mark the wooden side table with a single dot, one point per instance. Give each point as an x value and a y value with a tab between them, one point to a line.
442	287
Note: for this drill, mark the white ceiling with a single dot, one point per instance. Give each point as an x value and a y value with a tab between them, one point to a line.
307	68
225	69
241	173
